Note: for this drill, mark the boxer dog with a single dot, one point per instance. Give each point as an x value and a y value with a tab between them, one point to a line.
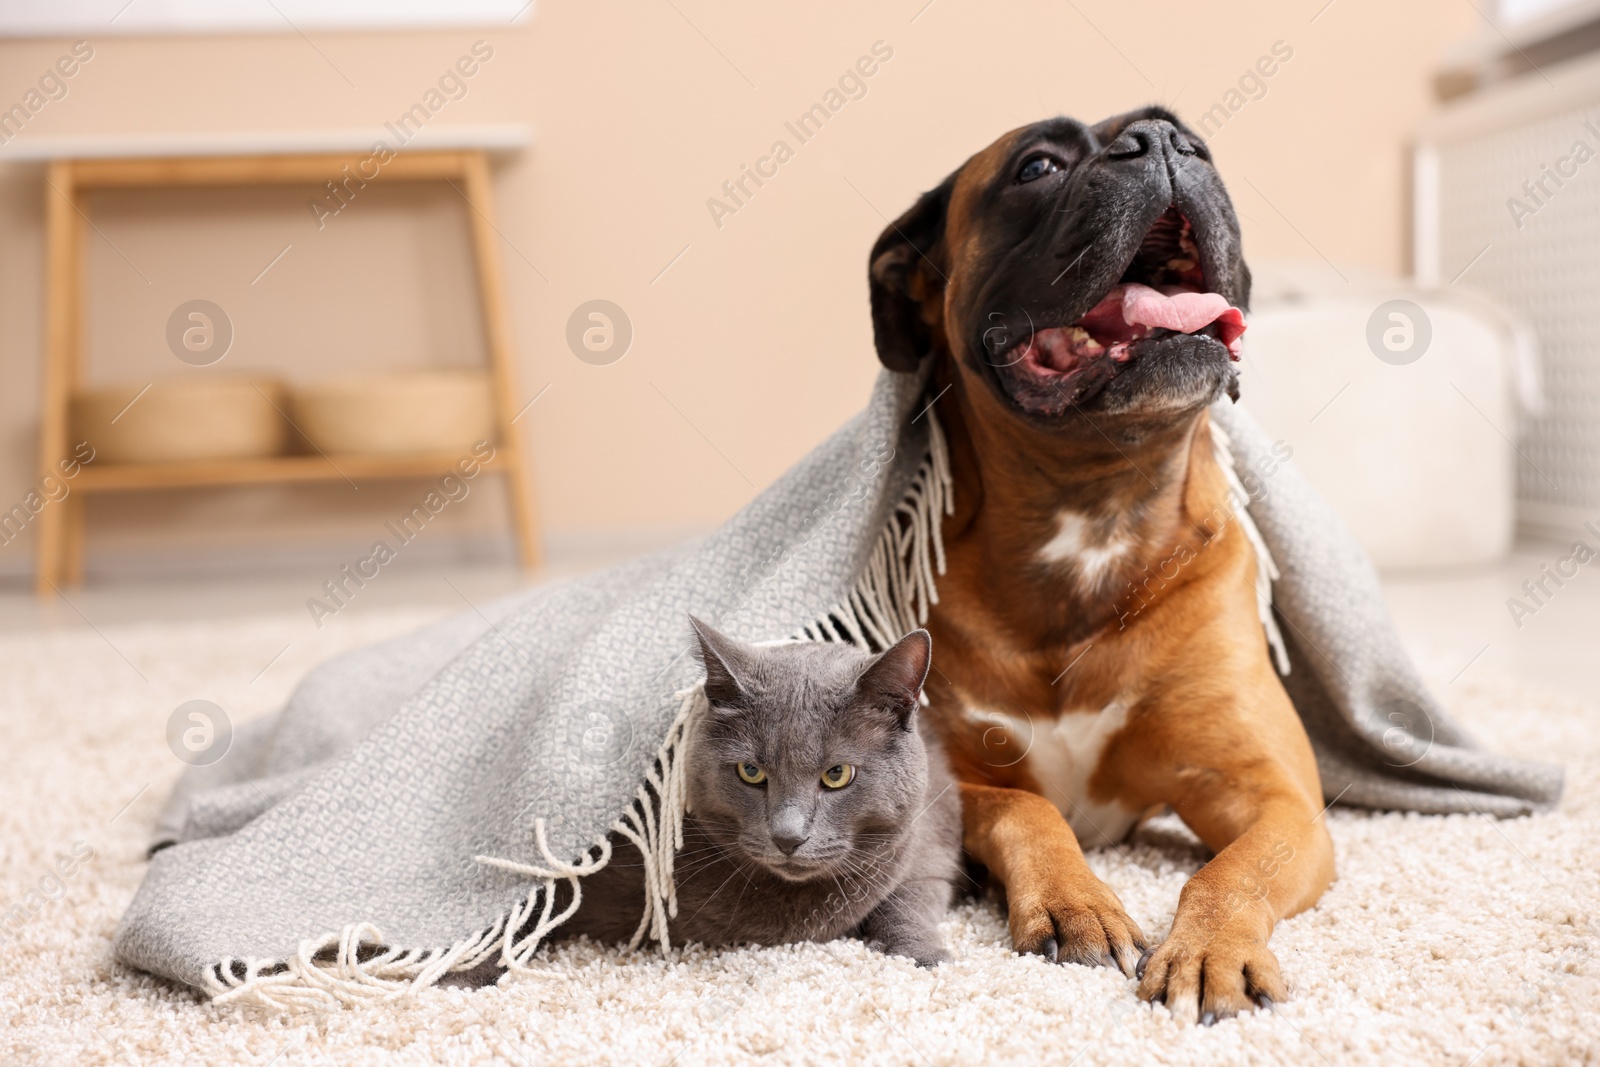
1099	655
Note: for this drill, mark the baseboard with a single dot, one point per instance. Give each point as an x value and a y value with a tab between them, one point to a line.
269	559
1554	522
565	551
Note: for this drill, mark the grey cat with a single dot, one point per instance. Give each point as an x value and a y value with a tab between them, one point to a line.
819	806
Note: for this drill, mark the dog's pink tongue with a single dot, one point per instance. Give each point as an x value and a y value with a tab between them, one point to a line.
1183	311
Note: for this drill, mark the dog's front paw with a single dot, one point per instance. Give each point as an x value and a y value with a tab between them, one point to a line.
1206	975
1078	922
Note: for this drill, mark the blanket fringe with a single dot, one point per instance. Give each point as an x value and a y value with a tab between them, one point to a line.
1266	566
352	966
896	587
891	598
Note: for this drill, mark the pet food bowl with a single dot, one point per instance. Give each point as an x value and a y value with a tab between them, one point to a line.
396	413
182	420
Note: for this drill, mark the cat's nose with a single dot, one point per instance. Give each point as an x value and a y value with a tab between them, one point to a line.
790	825
787	841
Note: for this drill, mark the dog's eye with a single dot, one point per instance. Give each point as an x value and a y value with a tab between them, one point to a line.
1036	168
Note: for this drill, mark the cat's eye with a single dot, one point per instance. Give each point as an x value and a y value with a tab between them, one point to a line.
839	775
749	772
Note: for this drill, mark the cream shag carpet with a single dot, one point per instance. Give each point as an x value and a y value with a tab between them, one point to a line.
1456	940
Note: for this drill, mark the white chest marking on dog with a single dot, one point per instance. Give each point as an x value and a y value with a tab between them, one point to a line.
1062	756
1074	544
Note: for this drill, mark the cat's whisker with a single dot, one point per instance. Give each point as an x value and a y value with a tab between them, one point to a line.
752	761
713	896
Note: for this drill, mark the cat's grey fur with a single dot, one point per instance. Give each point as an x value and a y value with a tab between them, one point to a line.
876	859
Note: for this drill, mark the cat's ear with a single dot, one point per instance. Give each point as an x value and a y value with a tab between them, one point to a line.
723	658
894	680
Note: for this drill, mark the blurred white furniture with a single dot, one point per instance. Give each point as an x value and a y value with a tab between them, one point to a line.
1525	38
1416	457
1508	202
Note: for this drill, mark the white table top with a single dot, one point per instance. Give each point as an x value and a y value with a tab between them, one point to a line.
500	139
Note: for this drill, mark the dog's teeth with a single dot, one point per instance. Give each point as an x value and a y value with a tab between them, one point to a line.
1081	338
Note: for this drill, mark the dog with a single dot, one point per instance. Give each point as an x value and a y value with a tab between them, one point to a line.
1100	656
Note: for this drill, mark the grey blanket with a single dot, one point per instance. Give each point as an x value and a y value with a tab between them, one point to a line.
410	812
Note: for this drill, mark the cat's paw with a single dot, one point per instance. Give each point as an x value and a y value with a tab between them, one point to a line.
922	953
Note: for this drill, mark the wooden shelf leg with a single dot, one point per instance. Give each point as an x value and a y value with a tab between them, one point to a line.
502	359
49	551
72	521
63	249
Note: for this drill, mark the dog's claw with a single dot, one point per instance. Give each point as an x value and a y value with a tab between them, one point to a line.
1264	1002
1144	960
1207	975
1074	920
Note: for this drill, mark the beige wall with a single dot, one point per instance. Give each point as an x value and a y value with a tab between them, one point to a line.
759	334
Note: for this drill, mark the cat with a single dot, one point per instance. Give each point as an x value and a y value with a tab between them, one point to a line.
819	806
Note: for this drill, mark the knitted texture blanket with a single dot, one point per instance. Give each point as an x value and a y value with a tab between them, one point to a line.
412	809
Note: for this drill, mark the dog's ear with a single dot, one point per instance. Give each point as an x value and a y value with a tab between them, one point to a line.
1109	130
903	274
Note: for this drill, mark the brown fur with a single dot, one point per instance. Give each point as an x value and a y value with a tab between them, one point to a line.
1172	631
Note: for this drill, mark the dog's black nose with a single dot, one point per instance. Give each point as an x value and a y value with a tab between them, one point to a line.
788	842
1150	137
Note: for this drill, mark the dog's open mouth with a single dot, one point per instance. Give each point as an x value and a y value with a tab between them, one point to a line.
1162	293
